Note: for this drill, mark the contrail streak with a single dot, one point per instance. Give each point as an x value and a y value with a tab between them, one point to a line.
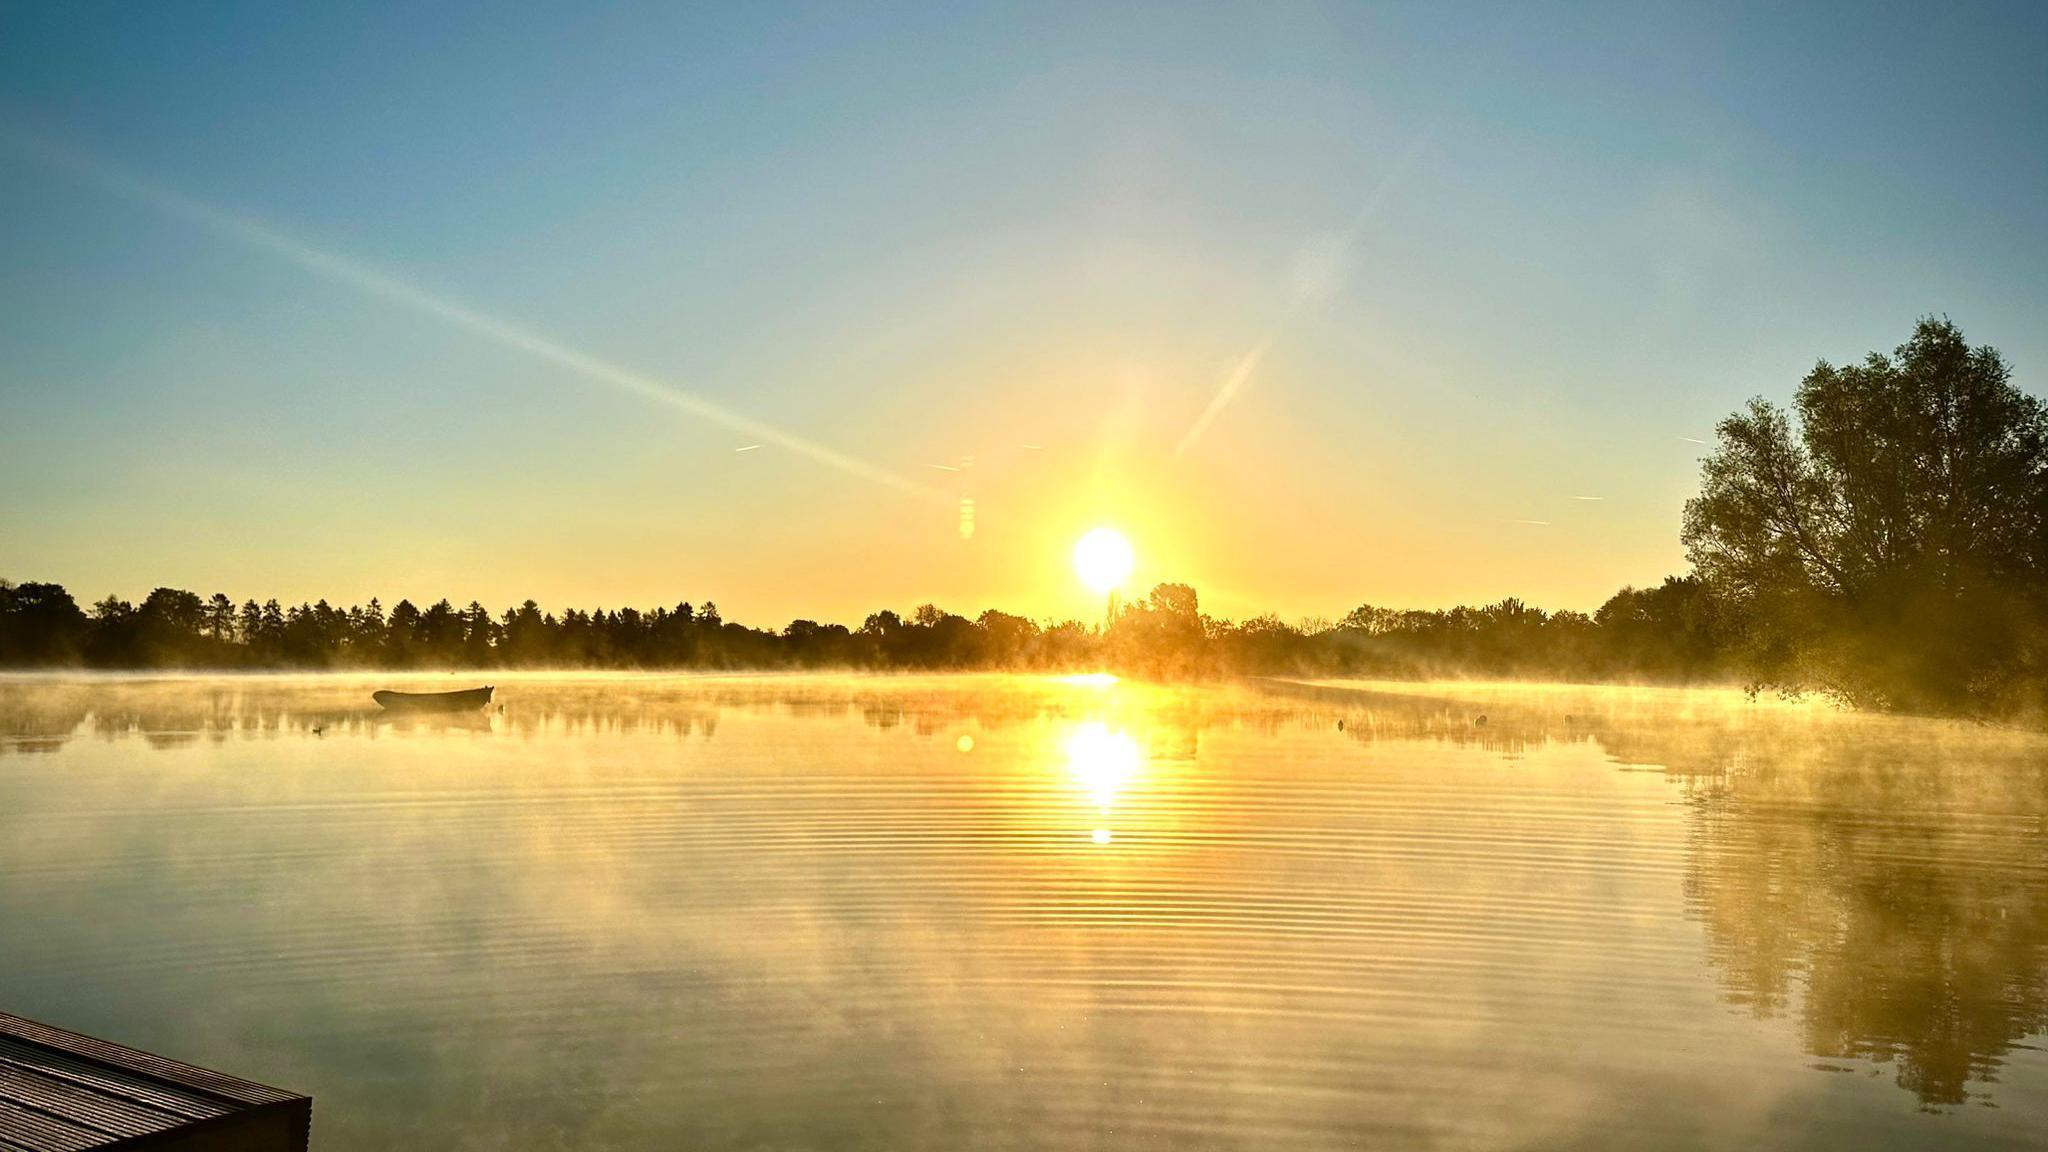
376	282
1303	296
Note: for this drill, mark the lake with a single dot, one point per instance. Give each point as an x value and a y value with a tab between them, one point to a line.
1010	912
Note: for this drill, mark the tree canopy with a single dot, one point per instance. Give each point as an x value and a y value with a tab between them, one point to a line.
1886	540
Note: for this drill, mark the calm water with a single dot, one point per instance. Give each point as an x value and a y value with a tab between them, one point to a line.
947	913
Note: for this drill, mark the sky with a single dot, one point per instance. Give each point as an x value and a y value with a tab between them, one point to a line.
1321	305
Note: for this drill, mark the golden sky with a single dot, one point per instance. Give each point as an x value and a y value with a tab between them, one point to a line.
1320	307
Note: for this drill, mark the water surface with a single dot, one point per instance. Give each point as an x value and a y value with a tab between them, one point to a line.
990	912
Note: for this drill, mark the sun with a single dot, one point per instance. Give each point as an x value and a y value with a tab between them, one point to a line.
1103	559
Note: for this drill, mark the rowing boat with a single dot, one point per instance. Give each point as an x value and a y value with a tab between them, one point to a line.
466	700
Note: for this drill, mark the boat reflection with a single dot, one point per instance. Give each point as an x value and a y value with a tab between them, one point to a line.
1875	883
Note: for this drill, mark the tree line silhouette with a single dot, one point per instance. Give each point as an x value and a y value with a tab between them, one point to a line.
1885	541
1650	633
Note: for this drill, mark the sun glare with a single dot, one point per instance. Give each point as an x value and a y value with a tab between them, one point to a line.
1103	559
1101	761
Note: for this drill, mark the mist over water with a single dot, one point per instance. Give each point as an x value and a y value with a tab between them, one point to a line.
1006	912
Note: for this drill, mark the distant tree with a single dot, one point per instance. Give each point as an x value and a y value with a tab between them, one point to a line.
526	636
1067	644
365	642
954	642
1673	631
809	644
171	629
220	619
1009	640
883	637
300	644
479	636
1367	620
269	641
1163	633
439	634
1887	540
401	639
40	624
115	637
249	626
1264	644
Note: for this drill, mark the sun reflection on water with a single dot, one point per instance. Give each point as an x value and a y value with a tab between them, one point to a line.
1102	761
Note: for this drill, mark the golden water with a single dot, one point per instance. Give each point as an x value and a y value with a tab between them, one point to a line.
992	912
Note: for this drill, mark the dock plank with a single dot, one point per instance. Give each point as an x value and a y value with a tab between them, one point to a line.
62	1091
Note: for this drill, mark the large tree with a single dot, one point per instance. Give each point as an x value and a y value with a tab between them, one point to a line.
1887	539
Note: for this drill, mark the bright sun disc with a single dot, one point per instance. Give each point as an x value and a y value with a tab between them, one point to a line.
1102	559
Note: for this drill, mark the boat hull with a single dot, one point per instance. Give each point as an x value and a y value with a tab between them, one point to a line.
467	700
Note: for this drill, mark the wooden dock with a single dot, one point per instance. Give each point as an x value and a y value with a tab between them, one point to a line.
63	1092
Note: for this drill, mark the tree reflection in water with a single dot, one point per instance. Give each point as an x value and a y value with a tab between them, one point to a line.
1881	881
1900	911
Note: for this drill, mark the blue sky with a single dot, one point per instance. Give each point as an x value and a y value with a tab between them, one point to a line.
918	237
